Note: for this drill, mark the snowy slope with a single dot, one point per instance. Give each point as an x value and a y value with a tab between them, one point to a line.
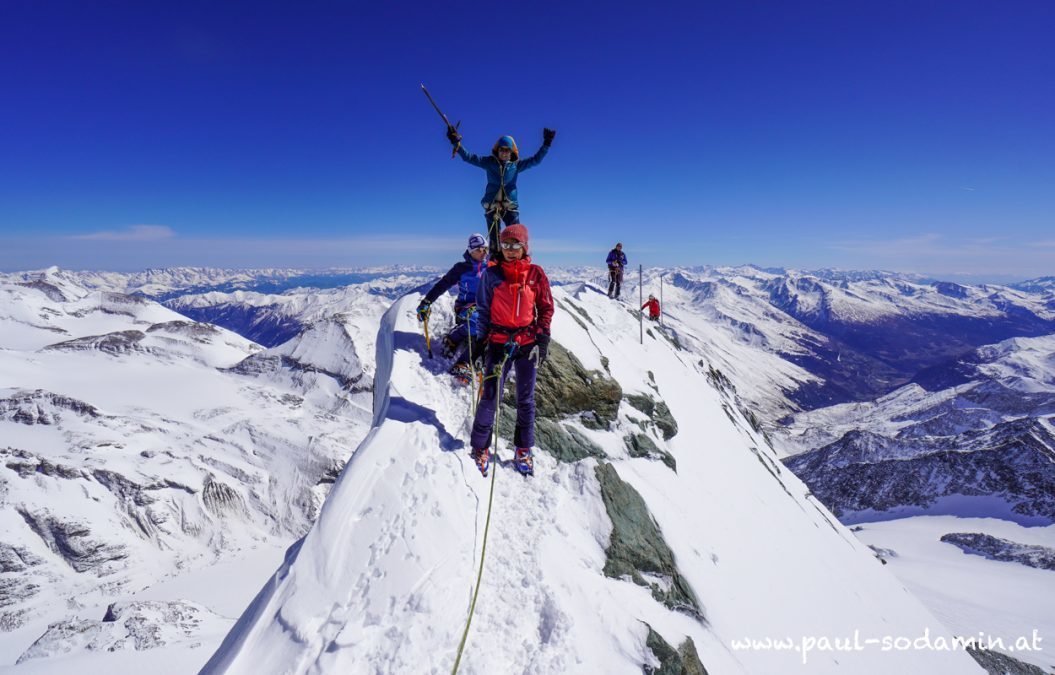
270	318
382	581
137	445
162	283
830	337
974	455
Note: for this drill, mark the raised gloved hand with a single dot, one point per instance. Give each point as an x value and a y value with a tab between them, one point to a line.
453	136
424	307
539	352
547	136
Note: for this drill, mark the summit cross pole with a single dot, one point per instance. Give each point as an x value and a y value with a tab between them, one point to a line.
660	299
641	299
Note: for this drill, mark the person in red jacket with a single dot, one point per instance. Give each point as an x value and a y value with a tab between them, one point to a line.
653	308
515	306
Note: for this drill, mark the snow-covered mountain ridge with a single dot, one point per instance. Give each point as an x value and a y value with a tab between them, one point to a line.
383	580
137	444
727	329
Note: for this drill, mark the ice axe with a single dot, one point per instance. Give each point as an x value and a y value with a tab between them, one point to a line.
444	117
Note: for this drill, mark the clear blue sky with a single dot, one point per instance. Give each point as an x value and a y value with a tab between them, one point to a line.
883	134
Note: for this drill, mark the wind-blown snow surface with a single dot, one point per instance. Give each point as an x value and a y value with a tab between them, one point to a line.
382	581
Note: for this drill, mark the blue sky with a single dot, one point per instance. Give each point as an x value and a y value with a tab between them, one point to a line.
915	136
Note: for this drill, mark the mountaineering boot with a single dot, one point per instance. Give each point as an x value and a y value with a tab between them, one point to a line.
482	457
462	373
523	462
449	346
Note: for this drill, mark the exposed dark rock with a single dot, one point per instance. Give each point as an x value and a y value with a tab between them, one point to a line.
192	329
127	491
126	626
221	500
14	591
120	342
719	380
657	412
257	364
17	559
47	289
994	548
564	387
637	547
330	476
641	445
74	543
42	407
683	661
863	470
882	554
39	465
998	663
566	443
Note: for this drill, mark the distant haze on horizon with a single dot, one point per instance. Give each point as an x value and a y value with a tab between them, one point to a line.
336	270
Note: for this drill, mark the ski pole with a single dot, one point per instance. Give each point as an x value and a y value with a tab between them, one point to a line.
444	117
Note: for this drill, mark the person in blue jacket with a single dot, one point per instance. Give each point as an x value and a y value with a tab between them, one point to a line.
503	166
466	338
616	264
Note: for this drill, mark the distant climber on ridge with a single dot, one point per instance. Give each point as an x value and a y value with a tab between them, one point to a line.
616	264
466	338
515	306
653	307
503	166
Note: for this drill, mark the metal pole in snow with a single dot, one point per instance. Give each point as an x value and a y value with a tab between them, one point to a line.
641	299
660	299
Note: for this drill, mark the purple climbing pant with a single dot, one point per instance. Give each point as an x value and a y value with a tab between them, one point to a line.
524	435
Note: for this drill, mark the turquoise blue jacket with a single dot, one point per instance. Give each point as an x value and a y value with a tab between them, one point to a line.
502	174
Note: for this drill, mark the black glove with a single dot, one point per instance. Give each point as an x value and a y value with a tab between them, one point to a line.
453	136
547	136
424	307
541	349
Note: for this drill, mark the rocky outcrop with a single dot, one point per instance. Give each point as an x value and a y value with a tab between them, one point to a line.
681	661
129	626
223	500
657	411
120	342
566	388
196	331
566	443
50	290
642	445
25	464
75	543
995	548
566	391
42	407
637	549
997	663
1012	461
324	348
